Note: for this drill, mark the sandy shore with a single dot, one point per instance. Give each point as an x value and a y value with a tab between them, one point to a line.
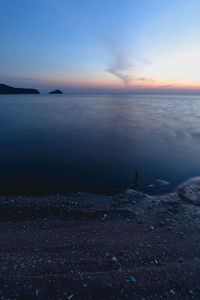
83	246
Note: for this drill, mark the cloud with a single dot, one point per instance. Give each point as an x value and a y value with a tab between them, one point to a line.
124	70
120	68
166	86
144	79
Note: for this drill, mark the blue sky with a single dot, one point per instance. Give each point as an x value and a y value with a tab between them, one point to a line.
100	44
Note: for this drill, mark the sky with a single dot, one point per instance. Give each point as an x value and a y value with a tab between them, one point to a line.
123	45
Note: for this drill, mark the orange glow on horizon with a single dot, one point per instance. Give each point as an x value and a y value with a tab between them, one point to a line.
134	85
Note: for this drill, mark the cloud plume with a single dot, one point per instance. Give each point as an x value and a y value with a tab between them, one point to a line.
123	69
120	68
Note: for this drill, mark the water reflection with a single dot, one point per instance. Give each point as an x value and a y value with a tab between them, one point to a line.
53	144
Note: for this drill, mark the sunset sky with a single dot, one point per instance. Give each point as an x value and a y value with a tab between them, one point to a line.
107	44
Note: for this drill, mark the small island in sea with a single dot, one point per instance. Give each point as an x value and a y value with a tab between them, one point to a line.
6	89
56	92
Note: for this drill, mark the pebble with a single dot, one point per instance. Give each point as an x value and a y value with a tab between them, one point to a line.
117	266
131	279
181	235
162	182
172	292
104	217
181	259
114	259
162	223
140	221
191	292
131	191
156	262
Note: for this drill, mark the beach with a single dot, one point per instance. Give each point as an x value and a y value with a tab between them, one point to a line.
128	245
99	150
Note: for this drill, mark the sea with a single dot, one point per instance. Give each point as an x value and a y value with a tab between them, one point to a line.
56	144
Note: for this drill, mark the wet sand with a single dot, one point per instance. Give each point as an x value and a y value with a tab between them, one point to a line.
87	246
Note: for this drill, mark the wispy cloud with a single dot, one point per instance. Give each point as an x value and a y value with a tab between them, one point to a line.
144	79
120	67
126	71
121	62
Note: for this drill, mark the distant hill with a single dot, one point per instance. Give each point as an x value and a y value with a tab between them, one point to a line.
56	92
6	89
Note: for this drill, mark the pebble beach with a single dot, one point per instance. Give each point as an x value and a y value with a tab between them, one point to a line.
128	245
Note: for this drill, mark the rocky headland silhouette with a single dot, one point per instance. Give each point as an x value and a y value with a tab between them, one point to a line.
6	89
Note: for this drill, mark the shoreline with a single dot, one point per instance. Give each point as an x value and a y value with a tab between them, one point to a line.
89	246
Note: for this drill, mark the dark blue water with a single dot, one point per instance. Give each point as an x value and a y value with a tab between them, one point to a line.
59	143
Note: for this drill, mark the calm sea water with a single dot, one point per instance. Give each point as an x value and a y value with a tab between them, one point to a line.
59	143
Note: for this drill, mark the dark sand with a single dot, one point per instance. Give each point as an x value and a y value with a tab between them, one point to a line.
83	246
